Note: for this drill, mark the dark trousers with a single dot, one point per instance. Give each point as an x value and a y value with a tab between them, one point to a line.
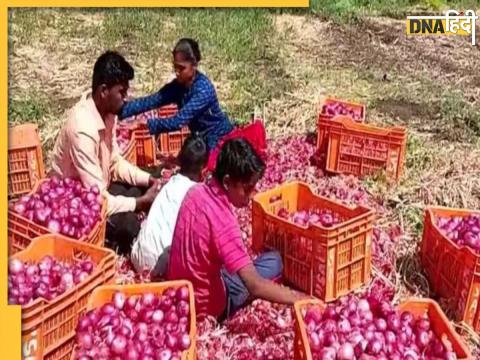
123	228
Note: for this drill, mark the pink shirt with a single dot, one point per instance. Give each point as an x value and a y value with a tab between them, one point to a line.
206	237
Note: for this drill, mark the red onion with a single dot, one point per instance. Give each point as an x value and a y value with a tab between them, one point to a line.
333	108
47	279
44	207
319	217
135	327
124	134
383	333
464	231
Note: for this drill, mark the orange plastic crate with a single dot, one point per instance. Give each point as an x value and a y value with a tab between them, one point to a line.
103	294
324	262
48	327
418	307
130	152
21	230
364	150
25	160
453	271
171	143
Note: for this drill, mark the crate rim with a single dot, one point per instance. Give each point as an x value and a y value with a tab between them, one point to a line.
369	212
350	124
299	305
430	213
145	287
109	255
103	214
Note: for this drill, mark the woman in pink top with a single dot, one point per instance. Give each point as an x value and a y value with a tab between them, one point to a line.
207	246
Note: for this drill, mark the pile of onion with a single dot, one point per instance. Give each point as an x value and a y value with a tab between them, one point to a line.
371	329
124	134
63	206
146	327
338	108
320	217
464	231
46	279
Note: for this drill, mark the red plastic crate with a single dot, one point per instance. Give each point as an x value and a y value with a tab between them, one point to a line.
21	230
364	150
324	262
48	327
453	271
418	307
25	160
103	294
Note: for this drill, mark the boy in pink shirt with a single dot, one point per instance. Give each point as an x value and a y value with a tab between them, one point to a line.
207	246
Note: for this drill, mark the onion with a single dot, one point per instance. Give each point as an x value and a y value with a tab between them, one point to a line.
119	345
15	266
370	329
133	327
47	279
119	300
43	207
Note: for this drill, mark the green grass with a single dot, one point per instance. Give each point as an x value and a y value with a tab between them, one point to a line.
239	46
31	108
352	10
463	117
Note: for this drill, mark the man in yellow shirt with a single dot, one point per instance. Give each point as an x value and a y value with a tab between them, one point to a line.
87	149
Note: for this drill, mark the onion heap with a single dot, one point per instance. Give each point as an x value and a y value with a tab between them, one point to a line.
339	108
124	135
464	231
371	329
320	217
46	279
63	206
146	327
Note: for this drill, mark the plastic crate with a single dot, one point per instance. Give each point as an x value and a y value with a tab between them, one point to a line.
418	307
103	294
48	327
453	271
324	262
170	143
145	147
364	150
25	160
21	230
130	152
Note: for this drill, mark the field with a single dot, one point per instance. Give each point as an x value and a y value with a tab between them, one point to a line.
279	64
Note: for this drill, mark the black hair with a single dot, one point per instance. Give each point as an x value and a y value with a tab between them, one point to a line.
189	48
193	155
111	69
239	160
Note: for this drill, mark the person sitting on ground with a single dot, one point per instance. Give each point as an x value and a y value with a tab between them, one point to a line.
86	148
207	247
150	251
199	109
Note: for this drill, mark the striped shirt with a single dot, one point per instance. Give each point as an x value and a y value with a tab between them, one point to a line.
199	110
206	238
